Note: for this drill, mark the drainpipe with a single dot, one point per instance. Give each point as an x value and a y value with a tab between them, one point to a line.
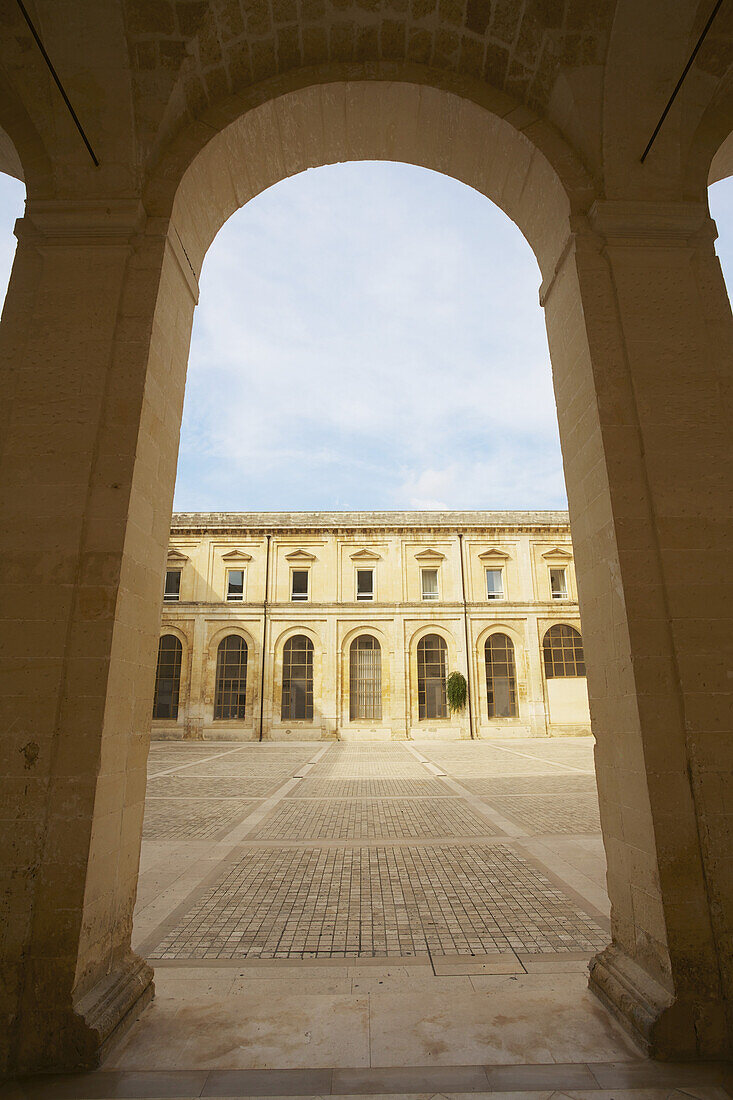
264	636
465	630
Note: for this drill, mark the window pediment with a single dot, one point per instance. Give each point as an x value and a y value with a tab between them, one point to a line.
493	555
429	556
300	555
236	555
558	555
175	557
366	556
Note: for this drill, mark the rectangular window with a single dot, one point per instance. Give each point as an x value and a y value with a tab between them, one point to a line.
172	590
235	584
494	584
559	584
365	584
430	584
299	584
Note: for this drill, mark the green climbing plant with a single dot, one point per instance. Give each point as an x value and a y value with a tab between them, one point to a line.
456	691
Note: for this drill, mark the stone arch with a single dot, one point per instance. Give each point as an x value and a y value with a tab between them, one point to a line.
519	642
482	140
254	656
185	681
344	674
452	663
276	664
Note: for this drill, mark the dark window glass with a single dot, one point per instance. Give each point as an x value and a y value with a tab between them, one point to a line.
297	697
364	584
501	677
563	652
299	582
231	678
365	660
172	590
167	677
235	584
432	655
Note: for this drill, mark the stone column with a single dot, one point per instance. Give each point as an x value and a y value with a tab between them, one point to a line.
195	704
92	383
641	337
535	702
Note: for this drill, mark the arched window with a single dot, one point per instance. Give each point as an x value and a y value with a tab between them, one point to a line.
297	699
365	695
563	652
501	677
231	678
167	677
432	656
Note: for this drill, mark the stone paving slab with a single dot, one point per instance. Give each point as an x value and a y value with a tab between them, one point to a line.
348	819
177	819
543	814
187	785
312	902
371	788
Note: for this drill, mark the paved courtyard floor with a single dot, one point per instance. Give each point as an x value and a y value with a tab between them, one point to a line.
375	919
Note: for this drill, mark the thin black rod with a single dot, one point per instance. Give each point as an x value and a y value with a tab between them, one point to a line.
678	85
59	85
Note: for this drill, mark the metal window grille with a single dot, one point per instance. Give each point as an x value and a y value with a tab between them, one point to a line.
365	696
297	696
501	677
432	655
231	678
167	677
172	589
562	648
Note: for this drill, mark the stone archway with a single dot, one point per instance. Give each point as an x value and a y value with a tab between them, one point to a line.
111	285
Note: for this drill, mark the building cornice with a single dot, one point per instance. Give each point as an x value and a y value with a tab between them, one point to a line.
367	523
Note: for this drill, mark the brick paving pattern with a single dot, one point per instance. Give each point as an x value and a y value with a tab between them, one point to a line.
199	819
348	819
350	902
371	788
435	876
570	814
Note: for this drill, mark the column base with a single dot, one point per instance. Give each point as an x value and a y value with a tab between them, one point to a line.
64	1038
669	1028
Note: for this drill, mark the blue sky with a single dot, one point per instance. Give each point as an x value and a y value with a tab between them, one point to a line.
368	336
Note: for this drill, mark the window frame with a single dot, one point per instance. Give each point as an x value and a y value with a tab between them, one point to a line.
501	595
234	598
176	665
562	648
172	597
308	678
300	597
563	569
430	569
423	679
365	694
493	657
362	597
222	652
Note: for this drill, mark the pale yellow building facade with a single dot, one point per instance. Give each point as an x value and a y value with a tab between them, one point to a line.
361	617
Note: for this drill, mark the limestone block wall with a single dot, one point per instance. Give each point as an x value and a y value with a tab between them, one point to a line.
395	547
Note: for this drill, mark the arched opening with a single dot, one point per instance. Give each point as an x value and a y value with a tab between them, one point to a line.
231	678
432	672
297	681
540	183
365	682
501	676
168	678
